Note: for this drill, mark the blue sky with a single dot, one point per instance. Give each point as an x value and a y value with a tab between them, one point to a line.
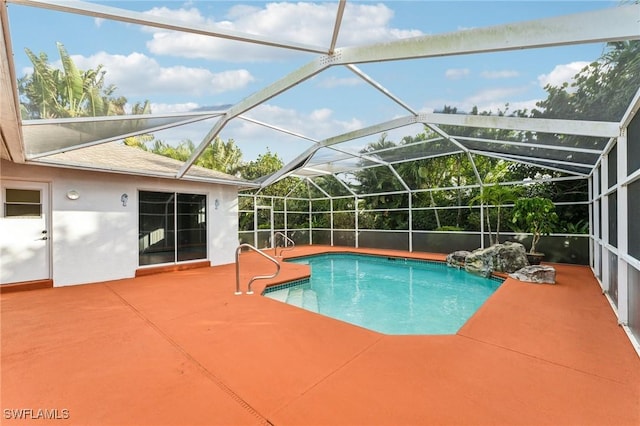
178	72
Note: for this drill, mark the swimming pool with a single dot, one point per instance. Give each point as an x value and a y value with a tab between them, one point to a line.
388	295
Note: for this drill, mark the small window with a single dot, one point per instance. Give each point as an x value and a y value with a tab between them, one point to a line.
22	203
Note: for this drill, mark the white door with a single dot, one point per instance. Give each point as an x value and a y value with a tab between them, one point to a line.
24	232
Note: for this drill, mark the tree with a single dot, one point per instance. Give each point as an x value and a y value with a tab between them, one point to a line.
139	141
265	165
222	156
180	152
379	183
50	92
600	91
536	215
496	196
426	173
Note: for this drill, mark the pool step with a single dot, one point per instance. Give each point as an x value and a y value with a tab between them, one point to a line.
295	297
310	300
279	295
306	299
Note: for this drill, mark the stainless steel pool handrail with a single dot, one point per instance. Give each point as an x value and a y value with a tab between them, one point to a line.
257	277
293	244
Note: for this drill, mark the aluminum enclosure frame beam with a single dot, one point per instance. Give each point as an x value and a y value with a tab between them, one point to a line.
614	24
532	145
598	129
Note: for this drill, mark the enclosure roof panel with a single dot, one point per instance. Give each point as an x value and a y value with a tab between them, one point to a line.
46	137
118	158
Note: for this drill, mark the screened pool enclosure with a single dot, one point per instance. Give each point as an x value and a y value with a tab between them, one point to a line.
370	158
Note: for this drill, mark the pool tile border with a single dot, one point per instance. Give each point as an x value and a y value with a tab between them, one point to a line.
282	286
405	260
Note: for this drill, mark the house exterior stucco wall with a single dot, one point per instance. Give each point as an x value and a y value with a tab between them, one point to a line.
95	238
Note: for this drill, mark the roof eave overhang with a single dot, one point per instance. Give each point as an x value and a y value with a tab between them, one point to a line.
167	175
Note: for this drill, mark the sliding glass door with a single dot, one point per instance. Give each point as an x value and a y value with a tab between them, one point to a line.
172	227
191	227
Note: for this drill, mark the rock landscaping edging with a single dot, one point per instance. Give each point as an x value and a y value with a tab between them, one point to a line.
457	258
508	257
541	274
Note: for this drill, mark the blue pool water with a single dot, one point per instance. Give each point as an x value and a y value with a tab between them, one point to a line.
391	296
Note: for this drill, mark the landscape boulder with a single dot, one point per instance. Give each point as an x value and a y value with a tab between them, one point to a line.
457	258
508	257
542	274
479	262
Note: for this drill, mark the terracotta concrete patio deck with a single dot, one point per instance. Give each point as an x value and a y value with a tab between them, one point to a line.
180	348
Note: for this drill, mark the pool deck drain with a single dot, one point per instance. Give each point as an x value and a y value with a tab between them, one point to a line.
180	348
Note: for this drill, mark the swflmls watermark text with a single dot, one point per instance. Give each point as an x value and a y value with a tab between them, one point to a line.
36	414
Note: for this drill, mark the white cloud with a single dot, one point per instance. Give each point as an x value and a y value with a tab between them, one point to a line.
499	74
369	24
321	114
195	132
318	124
493	100
188	16
494	107
456	73
331	82
138	75
254	139
560	74
428	109
489	95
306	23
162	108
